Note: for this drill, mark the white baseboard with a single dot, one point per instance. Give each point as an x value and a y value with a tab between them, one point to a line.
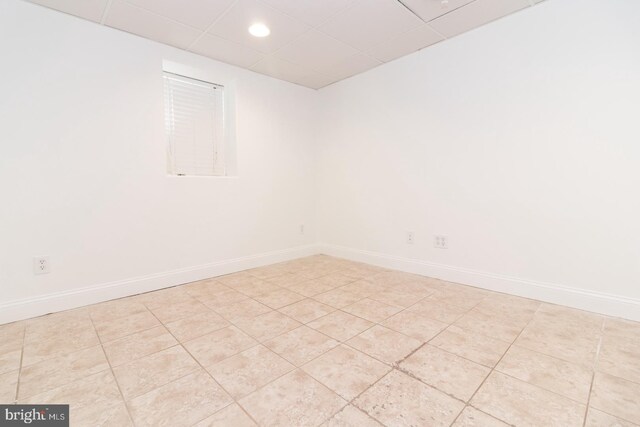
611	305
30	307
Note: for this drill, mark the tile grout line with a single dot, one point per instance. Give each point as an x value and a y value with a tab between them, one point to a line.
593	371
204	369
115	379
24	337
468	403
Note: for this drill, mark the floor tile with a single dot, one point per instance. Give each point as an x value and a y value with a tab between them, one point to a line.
182	402
350	416
311	288
447	372
222	299
399	400
302	363
99	392
8	386
372	310
565	345
617	397
246	372
230	416
471	417
278	298
397	298
109	330
165	296
519	403
622	328
338	297
10	361
268	325
340	325
346	371
549	373
150	372
465	298
437	311
384	344
288	279
55	323
334	280
256	287
620	356
11	337
301	345
266	272
558	315
203	289
59	343
307	310
295	399
61	370
244	309
115	309
597	418
214	347
504	328
172	312
235	279
414	325
475	347
138	345
116	416
195	326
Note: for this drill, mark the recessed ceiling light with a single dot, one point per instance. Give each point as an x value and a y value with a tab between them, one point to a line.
259	30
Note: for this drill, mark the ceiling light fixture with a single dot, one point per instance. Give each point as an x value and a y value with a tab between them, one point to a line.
259	30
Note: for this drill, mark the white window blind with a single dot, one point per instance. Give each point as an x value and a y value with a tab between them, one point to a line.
194	123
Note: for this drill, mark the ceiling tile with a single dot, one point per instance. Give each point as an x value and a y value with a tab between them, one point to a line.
370	22
291	72
226	51
311	12
406	43
316	50
235	23
353	65
475	14
87	9
196	13
431	9
147	24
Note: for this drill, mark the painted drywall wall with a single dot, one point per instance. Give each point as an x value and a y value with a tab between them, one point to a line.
83	168
519	141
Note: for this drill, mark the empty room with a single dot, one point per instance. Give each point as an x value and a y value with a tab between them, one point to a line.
300	213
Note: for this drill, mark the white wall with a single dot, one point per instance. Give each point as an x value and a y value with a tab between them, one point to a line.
519	141
82	168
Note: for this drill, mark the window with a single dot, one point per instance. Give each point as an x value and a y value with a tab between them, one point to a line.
194	124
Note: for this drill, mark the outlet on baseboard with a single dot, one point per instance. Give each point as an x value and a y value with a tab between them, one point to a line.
41	265
441	242
411	237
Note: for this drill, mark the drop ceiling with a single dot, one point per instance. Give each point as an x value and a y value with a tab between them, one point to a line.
313	43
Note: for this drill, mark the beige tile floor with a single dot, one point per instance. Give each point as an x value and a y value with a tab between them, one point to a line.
325	341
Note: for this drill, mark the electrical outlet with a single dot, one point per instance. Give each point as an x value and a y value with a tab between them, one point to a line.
41	265
301	228
411	238
441	242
